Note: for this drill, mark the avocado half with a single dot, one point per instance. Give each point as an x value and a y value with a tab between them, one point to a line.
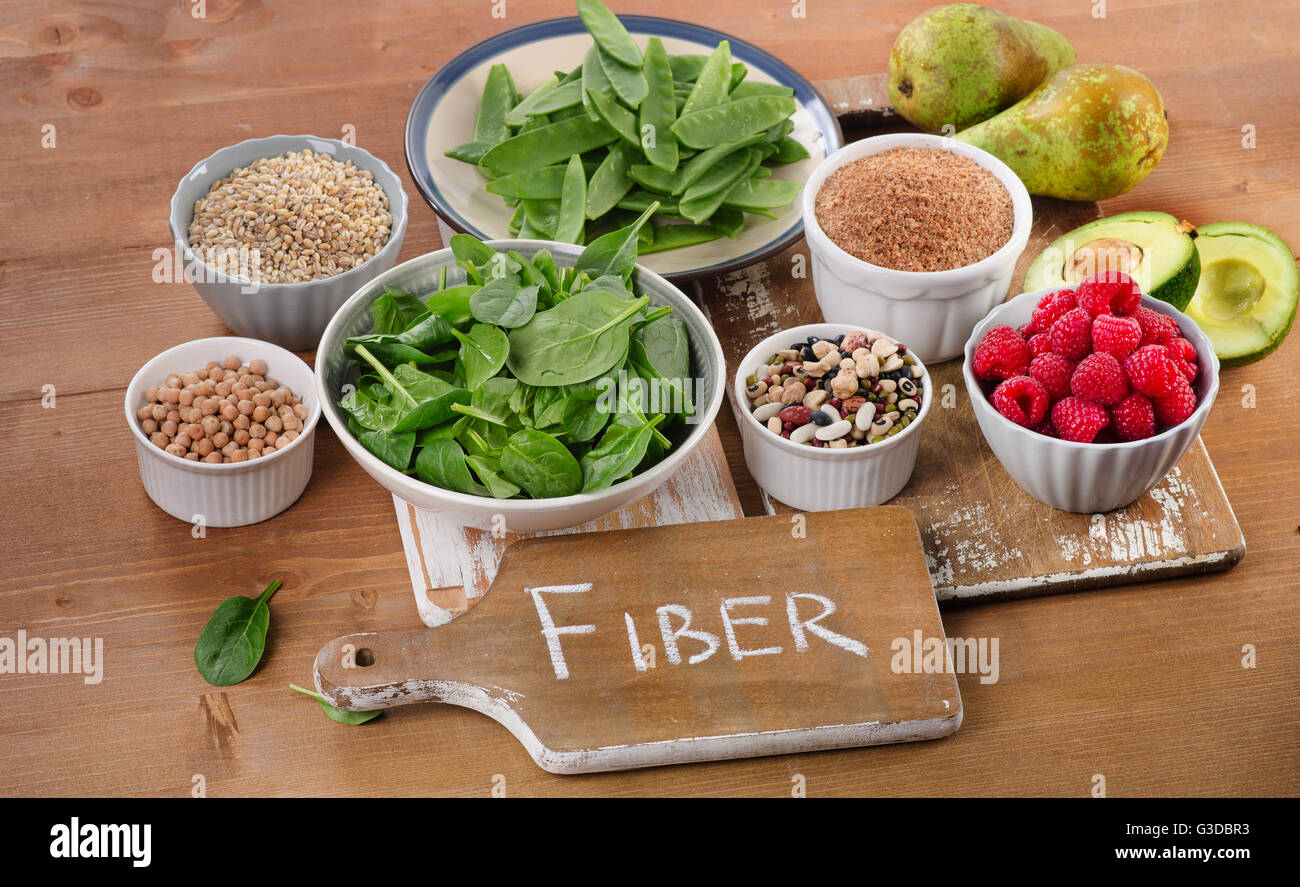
1246	299
1155	249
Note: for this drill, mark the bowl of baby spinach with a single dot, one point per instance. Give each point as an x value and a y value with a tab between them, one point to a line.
532	383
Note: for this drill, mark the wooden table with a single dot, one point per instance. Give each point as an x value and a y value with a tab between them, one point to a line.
1143	685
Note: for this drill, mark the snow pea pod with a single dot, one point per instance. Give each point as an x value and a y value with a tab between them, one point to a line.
698	165
608	32
615	116
714	79
550	144
593	77
610	182
723	174
749	89
658	110
790	150
724	123
700	208
629	83
559	98
520	113
653	177
497	102
573	203
755	195
534	184
674	236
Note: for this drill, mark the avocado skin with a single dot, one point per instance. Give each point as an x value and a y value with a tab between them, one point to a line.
1266	237
1176	289
1091	132
962	63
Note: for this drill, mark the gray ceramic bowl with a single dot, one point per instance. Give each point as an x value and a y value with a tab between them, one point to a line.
292	315
420	276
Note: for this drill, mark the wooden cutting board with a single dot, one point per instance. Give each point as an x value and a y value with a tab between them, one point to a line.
727	639
983	536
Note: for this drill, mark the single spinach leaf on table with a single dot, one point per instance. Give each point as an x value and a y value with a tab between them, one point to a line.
540	464
577	340
231	644
442	463
504	301
338	714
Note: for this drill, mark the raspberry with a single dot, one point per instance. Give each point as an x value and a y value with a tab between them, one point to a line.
1109	293
1078	420
1152	372
1046	428
1001	354
1099	378
1051	306
1022	400
1040	343
1174	408
1072	334
1117	336
1133	418
1054	372
1027	330
1157	328
1184	355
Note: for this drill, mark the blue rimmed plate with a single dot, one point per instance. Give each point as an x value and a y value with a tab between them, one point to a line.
442	117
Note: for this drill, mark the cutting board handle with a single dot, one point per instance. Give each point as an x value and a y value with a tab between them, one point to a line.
371	670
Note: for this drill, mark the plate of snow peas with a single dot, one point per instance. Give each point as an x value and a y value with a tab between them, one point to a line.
566	129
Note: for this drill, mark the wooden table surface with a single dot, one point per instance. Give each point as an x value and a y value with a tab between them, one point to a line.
1143	685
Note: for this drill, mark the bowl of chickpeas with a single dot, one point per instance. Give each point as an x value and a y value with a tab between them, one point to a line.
224	430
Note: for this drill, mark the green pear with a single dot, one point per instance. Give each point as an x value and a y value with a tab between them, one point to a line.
960	64
1089	133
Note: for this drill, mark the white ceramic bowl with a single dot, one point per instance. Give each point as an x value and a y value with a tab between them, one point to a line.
420	275
820	478
292	315
1088	478
231	494
932	311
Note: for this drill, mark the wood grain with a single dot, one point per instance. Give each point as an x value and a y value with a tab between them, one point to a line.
1144	685
630	648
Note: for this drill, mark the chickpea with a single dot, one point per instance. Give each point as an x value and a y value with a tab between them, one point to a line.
170	428
176	450
261	414
239	456
144	413
201	374
149	426
204	446
246	407
173	416
273	423
242	422
209	407
241	437
186	397
270	440
211	425
229	412
159	440
247	380
254	445
257	430
263	386
189	379
195	415
223	388
300	410
291	423
290	436
257	367
229	448
227	428
213	458
212	365
159	412
183	440
277	397
194	430
193	457
231	363
254	454
173	381
220	439
268	450
262	399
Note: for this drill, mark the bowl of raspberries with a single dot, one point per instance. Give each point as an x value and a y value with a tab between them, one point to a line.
1089	395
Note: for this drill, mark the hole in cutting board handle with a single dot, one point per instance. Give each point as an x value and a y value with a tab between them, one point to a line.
365	657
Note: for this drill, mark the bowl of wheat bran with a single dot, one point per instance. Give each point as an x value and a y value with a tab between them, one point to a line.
915	234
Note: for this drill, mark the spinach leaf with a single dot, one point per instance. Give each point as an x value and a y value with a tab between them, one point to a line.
393	448
619	452
338	714
452	303
577	340
548	407
586	412
232	643
410	346
504	301
615	252
394	311
442	463
540	464
471	254
483	353
488	468
419	399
